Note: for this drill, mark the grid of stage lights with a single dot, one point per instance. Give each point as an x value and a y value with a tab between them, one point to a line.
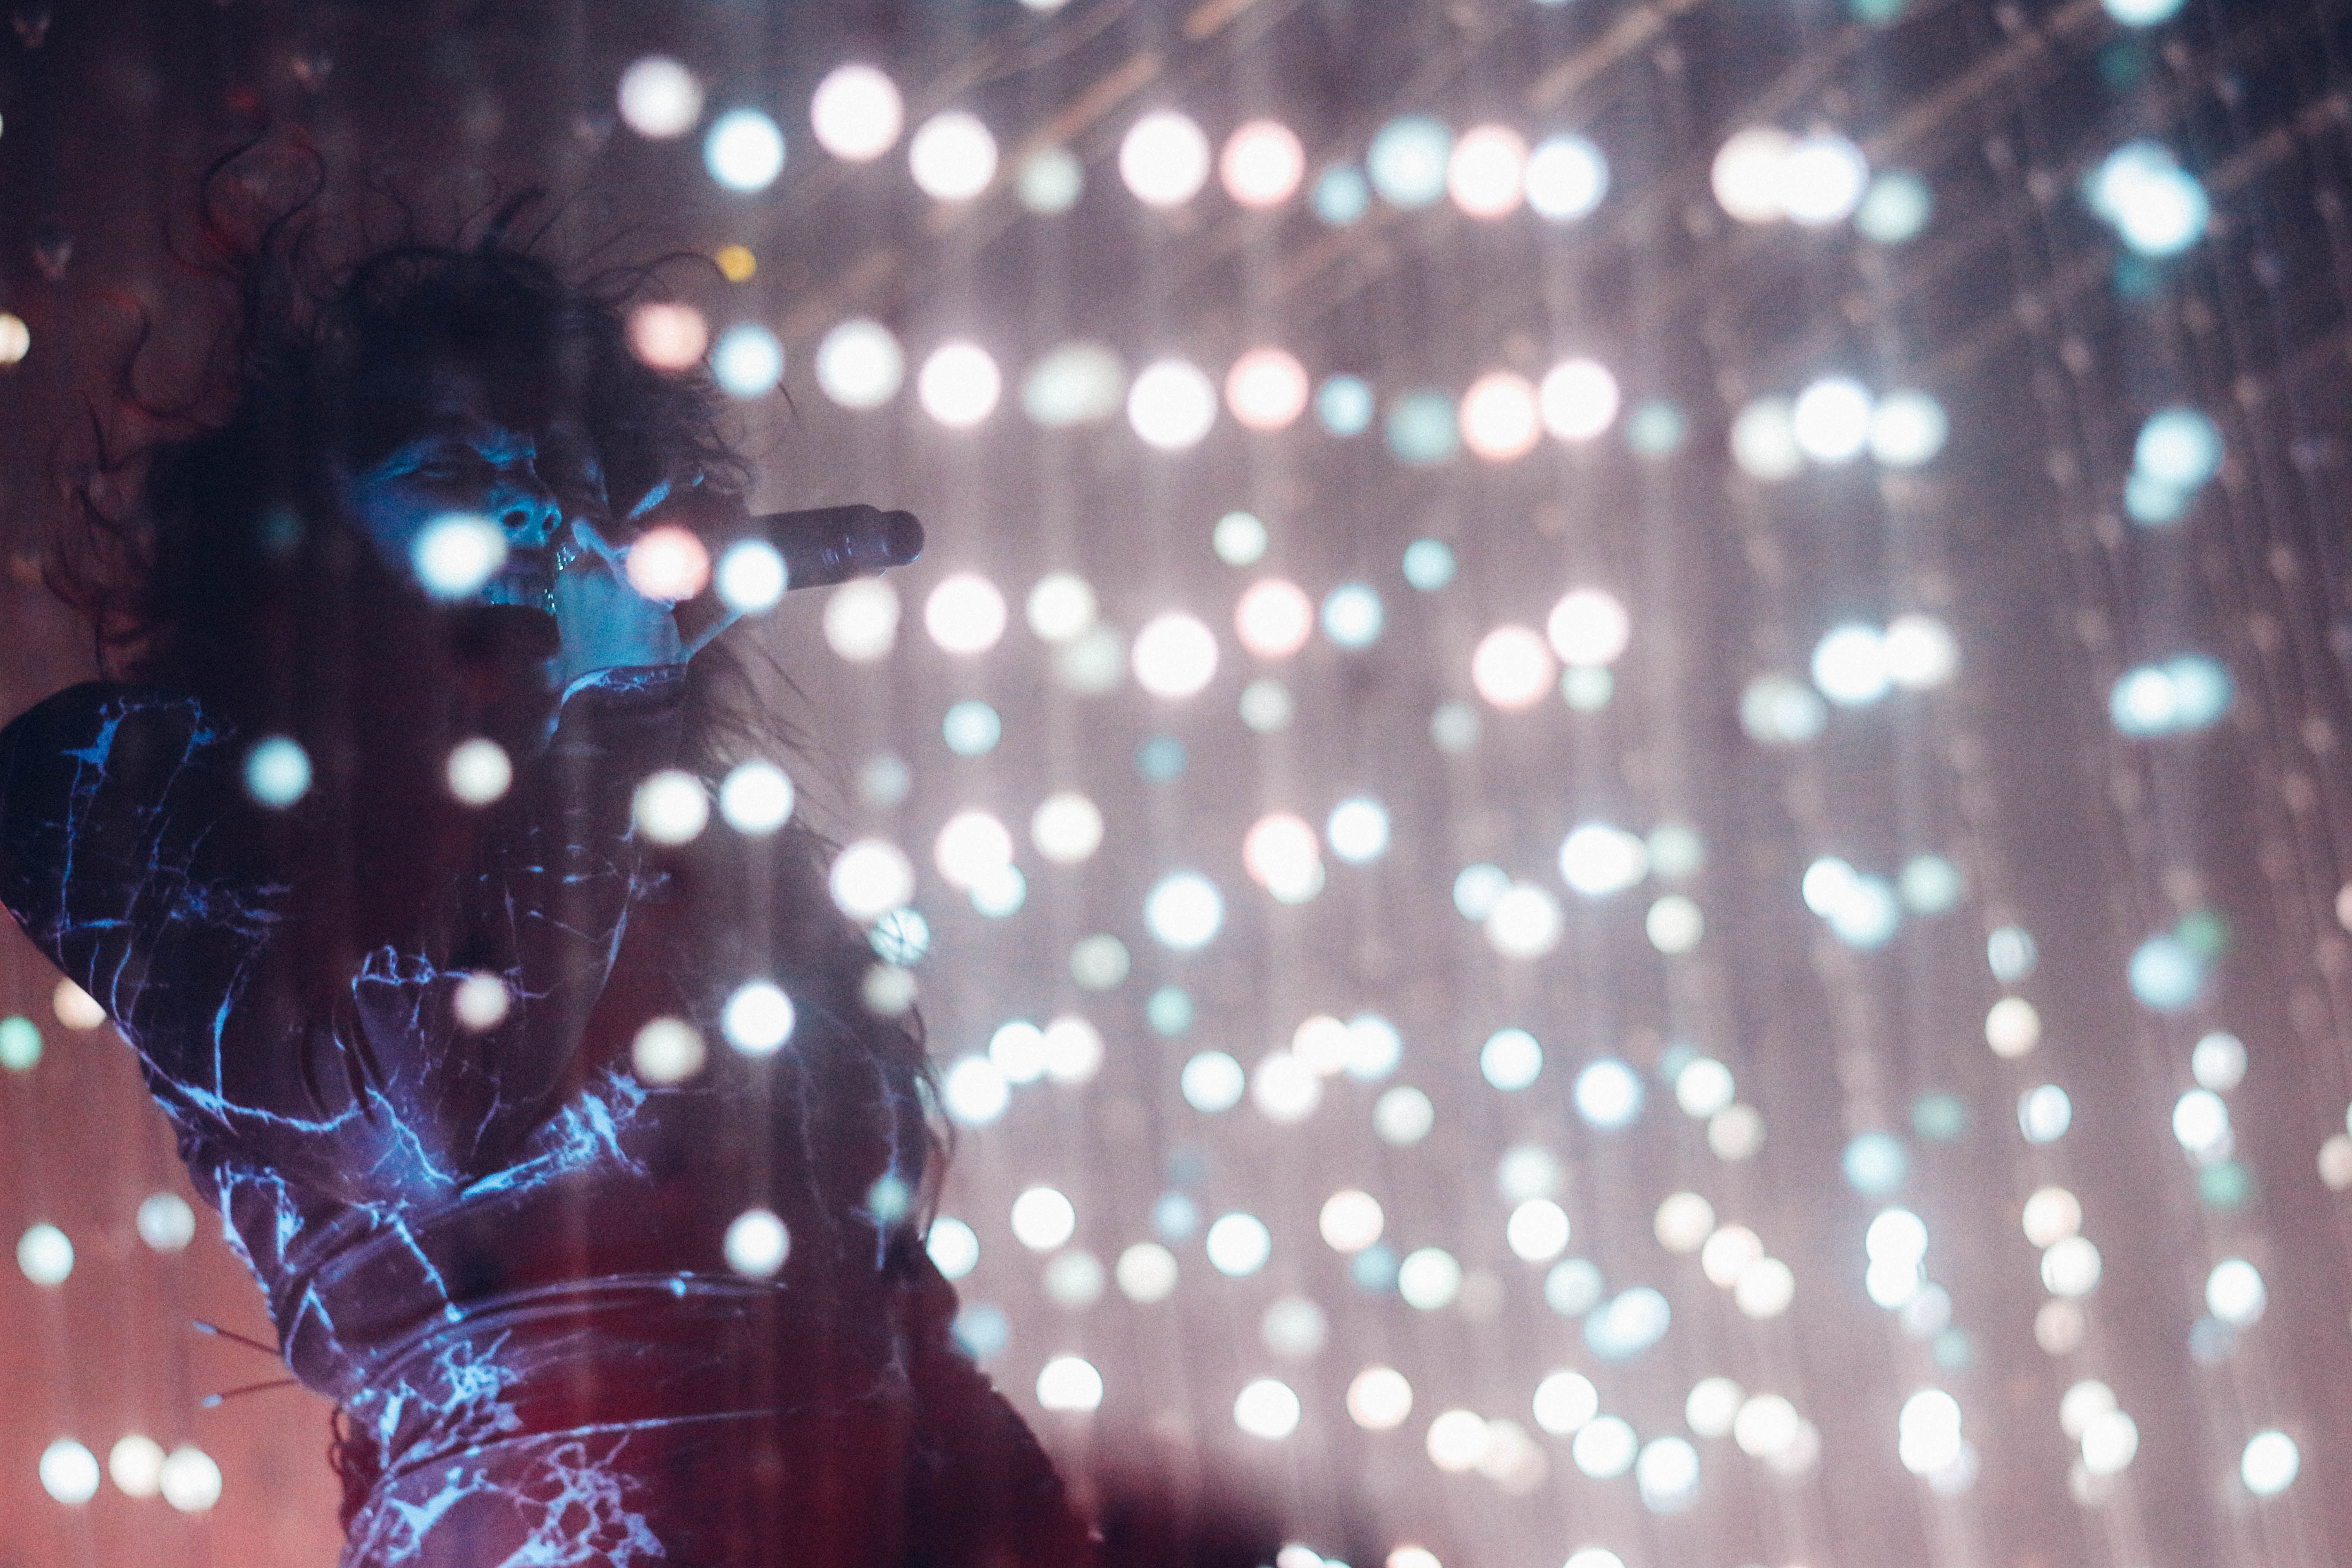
1843	677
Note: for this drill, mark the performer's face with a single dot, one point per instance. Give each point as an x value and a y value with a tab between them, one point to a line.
464	459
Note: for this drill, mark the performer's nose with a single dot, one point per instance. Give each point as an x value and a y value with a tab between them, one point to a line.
530	517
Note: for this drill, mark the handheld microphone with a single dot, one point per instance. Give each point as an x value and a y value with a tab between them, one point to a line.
832	544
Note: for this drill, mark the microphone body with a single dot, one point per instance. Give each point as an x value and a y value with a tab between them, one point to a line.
835	543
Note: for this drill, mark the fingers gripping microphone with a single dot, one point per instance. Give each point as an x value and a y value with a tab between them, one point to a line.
832	544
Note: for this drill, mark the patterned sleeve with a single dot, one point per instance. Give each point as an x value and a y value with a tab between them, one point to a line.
131	856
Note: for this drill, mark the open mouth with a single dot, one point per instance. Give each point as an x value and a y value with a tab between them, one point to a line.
528	578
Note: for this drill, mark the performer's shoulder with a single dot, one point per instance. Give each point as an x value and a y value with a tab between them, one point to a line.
113	729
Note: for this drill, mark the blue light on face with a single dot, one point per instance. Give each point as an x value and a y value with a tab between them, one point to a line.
1408	159
1344	404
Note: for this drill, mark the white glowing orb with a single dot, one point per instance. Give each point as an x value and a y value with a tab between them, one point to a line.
861	620
1402	1117
77	1008
2158	207
954	1247
2110	1442
1764	440
1067	828
1579	399
1850	666
2071	1267
1171	405
1538	1230
1598	859
1184	910
859	364
1079	383
1281	854
1213	1082
456	554
1429	1278
1928	1432
1526	922
478	770
757	1243
15	338
165	1222
1174	656
870	877
1239	539
959	385
671	807
1499	417
1764	1288
1274	618
2013	1027
667	1051
69	1472
1146	1273
1486	173
1069	1385
135	1465
1350	1221
1457	1441
1566	178
1589	626
667	565
1357	830
1266	1408
744	151
748	361
856	113
1043	1219
2268	1466
1607	1094
660	98
1380	1399
975	1092
1266	389
1262	163
1061	606
1604	1448
1831	420
1564	1402
45	1255
1908	429
965	614
481	1000
1747	176
952	157
1072	1049
1285	1088
758	1018
1921	652
751	576
970	847
1163	159
1513	668
277	774
1239	1245
1822	178
2142	13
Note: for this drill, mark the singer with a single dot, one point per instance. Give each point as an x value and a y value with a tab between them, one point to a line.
579	1301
